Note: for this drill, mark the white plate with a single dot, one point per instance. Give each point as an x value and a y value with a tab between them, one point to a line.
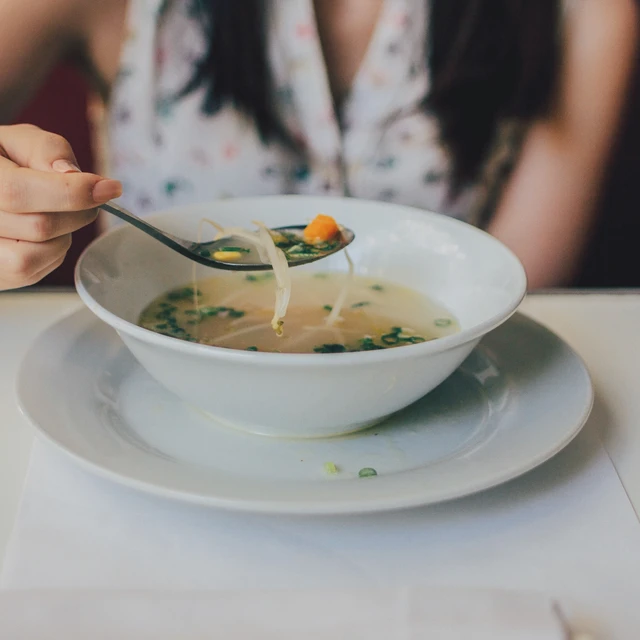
520	398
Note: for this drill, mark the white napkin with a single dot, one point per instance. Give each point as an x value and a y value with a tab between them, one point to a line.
407	614
566	530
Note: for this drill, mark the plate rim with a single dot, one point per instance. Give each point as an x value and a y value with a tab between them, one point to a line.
300	507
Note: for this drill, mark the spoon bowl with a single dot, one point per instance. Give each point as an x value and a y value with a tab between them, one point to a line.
240	256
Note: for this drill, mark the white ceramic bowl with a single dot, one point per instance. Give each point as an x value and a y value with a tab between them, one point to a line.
314	395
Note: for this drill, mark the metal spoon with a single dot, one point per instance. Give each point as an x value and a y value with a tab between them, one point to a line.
202	252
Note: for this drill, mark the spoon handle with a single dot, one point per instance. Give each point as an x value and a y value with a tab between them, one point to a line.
178	244
129	217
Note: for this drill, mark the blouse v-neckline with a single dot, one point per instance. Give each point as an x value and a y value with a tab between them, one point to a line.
297	44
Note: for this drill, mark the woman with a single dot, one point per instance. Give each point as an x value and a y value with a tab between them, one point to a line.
499	112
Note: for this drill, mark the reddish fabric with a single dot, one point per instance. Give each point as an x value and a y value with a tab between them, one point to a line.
61	107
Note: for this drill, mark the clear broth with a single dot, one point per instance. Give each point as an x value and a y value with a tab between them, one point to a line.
235	310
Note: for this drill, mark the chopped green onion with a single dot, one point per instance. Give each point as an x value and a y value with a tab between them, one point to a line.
207	312
367	344
357	305
251	277
251	348
183	294
166	313
395	337
301	250
330	348
234	250
330	468
367	472
328	307
377	287
390	338
442	322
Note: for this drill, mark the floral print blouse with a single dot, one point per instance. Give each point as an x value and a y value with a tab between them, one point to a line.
382	146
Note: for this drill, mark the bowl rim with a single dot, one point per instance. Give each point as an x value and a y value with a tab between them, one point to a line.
430	347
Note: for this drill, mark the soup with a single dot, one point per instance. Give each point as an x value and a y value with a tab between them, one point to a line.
234	311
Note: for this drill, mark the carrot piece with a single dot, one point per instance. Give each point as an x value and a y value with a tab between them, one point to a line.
322	229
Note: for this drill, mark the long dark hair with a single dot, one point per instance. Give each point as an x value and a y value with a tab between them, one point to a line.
488	59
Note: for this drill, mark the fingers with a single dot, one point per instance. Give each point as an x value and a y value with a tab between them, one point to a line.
30	146
39	172
40	227
25	190
34	279
23	263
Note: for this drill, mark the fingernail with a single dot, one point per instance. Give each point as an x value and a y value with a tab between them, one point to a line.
106	190
65	166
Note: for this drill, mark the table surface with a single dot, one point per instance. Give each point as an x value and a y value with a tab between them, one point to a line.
601	327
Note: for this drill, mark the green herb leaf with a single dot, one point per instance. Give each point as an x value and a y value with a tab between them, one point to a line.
367	472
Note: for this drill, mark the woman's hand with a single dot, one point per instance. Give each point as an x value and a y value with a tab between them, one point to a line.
44	197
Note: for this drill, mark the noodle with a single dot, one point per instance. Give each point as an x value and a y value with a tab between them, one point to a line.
342	296
280	265
269	254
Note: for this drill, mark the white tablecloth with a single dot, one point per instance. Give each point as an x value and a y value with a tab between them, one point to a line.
566	530
363	614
